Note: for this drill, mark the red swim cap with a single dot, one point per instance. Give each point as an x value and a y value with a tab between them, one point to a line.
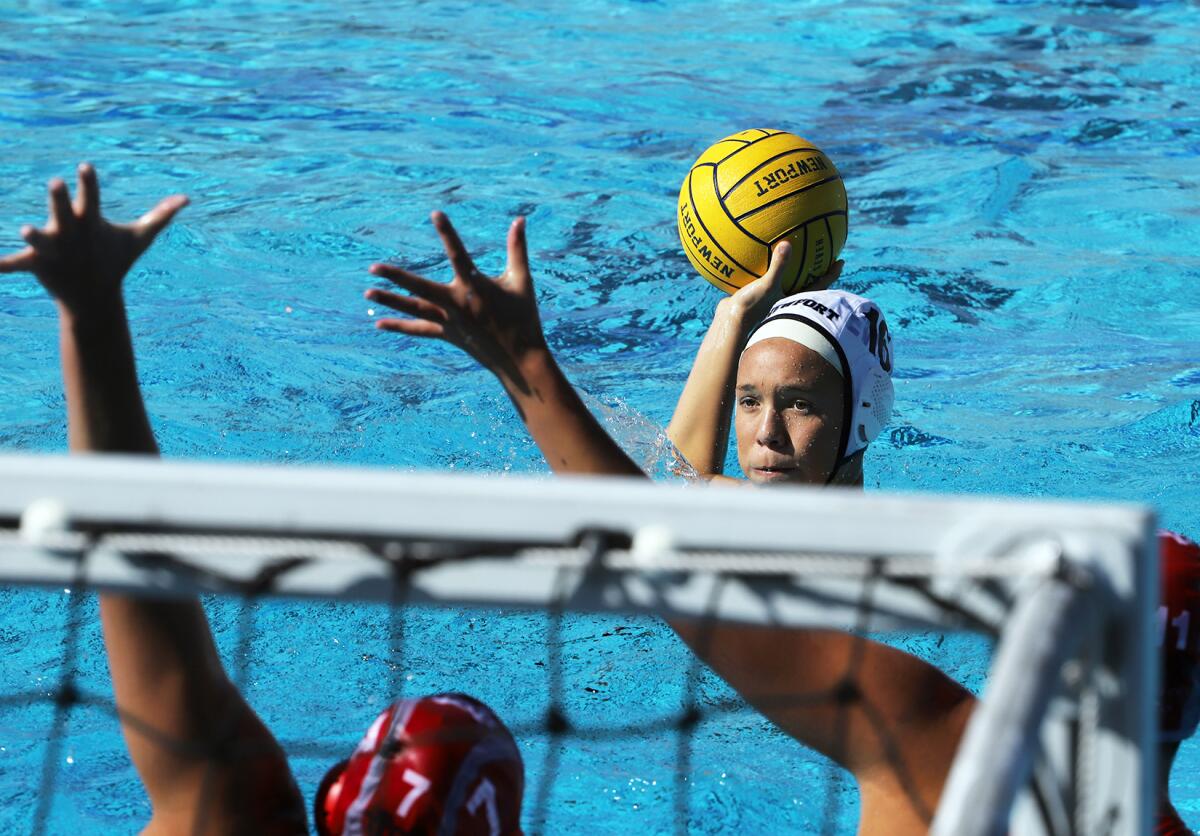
443	766
1179	637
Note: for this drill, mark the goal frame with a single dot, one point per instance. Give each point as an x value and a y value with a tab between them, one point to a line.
1075	650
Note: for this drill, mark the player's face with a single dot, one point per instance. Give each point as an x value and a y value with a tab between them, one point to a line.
789	414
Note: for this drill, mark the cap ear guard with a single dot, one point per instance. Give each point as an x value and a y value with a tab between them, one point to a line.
875	400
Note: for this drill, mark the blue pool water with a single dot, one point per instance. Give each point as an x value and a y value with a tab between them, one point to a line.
1023	184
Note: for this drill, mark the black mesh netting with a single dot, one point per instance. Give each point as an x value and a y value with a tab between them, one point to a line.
556	724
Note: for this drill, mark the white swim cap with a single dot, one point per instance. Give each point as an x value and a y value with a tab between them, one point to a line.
850	333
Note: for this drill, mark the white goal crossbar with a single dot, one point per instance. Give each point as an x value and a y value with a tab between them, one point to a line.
1068	589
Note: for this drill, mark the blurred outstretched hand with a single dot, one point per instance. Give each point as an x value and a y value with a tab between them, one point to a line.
79	256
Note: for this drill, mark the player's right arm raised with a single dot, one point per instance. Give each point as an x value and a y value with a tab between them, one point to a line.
496	321
891	719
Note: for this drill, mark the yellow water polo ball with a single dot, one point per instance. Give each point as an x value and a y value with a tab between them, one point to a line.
752	190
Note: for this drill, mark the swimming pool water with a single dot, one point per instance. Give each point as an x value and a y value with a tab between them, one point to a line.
1023	188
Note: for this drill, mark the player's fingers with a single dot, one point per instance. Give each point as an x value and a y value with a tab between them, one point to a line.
784	266
460	259
829	279
155	221
434	291
36	238
412	327
518	255
21	262
87	193
60	204
412	305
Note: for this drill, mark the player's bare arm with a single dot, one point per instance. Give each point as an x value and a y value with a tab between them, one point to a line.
81	260
196	744
887	717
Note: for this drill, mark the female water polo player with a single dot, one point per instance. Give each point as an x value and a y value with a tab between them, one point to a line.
442	766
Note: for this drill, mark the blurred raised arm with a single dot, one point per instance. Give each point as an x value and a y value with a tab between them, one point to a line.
207	762
81	260
891	719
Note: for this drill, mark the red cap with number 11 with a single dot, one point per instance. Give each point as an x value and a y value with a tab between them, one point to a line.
1179	636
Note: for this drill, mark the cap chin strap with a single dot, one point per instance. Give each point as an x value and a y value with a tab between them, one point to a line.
842	462
833	474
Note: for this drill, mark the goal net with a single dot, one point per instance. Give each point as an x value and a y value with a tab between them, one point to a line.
1062	741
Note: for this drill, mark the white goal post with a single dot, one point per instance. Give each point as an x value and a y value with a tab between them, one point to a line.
1062	743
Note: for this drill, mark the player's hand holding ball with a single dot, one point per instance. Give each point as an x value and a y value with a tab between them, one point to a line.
750	192
752	301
